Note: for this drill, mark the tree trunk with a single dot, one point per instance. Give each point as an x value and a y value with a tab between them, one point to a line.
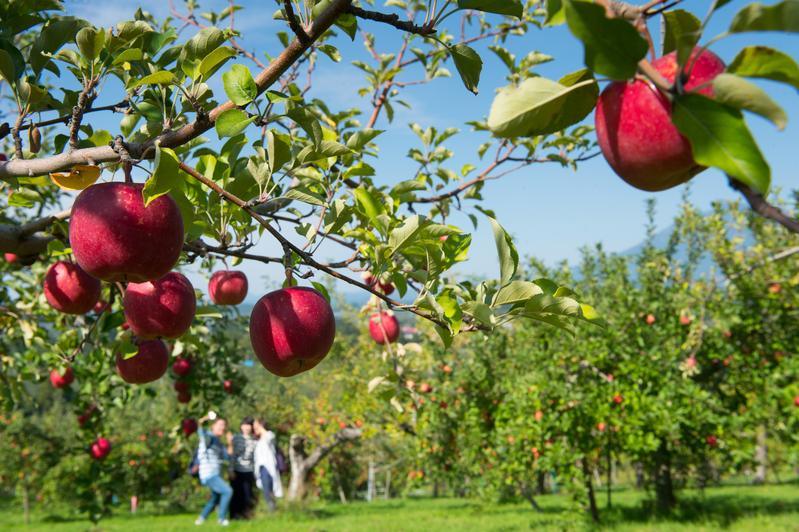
387	494
370	485
302	463
761	456
26	502
664	487
527	493
639	475
541	483
589	485
610	478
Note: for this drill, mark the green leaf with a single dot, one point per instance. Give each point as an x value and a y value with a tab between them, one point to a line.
513	8
741	94
56	32
239	85
613	47
7	70
232	122
162	77
361	138
371	207
202	44
508	256
556	14
90	42
683	30
405	233
469	65
213	61
540	106
129	54
13	57
768	63
720	138
327	148
516	292
166	175
783	16
304	195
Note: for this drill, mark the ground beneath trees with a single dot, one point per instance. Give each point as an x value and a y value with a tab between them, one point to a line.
765	508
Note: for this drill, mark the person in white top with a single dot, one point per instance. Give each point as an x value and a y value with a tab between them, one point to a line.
267	474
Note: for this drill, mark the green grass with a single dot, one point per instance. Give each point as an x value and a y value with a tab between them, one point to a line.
761	509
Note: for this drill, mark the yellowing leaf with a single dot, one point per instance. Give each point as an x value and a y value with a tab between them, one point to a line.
80	177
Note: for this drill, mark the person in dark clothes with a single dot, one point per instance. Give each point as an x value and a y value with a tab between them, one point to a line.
242	475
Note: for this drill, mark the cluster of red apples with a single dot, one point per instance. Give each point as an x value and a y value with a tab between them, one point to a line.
116	239
383	325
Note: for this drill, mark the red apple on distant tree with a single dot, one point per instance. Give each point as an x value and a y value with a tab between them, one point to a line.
634	127
184	397
11	258
181	386
102	306
162	308
292	330
618	399
711	440
383	327
228	386
100	448
650	319
115	238
69	289
86	415
61	380
188	426
446	369
685	319
227	287
181	367
425	388
796	401
147	365
600	427
774	288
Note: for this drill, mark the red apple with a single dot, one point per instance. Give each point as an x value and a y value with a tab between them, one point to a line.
227	287
618	399
61	380
711	440
147	365
387	288
188	426
181	367
443	405
228	386
86	415
184	397
100	448
162	308
539	415
69	289
368	278
292	330
102	306
181	386
115	238
446	369
425	388
650	319
600	427
11	258
384	327
685	319
635	131
320	421
796	401
773	288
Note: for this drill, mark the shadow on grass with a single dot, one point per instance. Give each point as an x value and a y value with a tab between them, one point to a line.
718	510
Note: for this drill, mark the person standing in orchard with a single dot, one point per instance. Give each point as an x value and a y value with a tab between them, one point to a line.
242	478
212	453
266	467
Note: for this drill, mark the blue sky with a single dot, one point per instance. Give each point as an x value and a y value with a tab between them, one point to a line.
551	212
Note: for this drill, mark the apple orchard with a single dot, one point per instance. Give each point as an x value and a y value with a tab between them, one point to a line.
676	364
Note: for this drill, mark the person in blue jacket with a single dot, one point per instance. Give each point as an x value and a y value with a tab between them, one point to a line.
212	454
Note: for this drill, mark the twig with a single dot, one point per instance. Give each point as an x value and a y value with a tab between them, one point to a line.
305	257
393	20
762	207
117	108
85	99
294	23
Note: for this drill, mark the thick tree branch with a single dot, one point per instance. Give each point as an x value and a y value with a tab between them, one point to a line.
172	139
318	454
765	209
392	20
28	239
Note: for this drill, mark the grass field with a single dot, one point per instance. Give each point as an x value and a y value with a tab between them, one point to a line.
761	509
